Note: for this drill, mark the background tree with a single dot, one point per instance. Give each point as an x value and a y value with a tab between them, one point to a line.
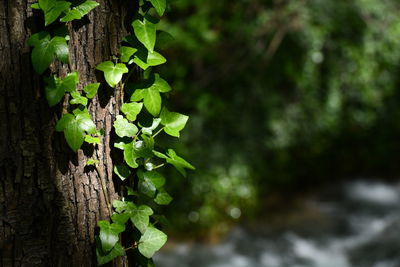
50	201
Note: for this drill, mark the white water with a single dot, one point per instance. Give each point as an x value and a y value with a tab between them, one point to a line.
363	231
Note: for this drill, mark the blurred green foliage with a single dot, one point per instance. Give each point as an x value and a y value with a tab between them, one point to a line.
282	95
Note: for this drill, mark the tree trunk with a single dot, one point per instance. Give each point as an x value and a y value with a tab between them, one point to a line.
50	201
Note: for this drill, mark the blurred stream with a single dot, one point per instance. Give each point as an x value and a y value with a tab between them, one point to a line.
356	224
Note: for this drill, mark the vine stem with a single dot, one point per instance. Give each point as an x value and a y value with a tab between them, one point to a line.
105	192
135	245
136	135
159	131
159	166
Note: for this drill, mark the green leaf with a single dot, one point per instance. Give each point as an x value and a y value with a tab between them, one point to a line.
131	192
122	142
46	5
139	214
138	95
145	32
71	15
144	149
173	122
70	81
85	122
160	84
86	7
153	59
103	258
122	171
124	128
92	140
74	135
45	49
42	53
56	88
147	188
65	120
60	48
78	99
152	101
163	198
79	11
154	125
112	73
140	217
126	52
54	91
74	128
91	89
93	162
149	182
151	94
109	234
121	206
35	6
179	163
153	177
151	241
120	218
51	14
159	5
131	110
130	155
159	155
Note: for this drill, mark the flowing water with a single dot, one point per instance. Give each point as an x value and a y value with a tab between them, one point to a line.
357	224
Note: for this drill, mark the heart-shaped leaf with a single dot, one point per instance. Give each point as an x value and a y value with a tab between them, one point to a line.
45	49
124	128
152	59
126	52
163	198
109	234
159	5
91	89
174	122
74	135
131	110
151	241
75	126
130	155
172	158
112	73
145	31
53	9
140	217
79	11
103	258
149	182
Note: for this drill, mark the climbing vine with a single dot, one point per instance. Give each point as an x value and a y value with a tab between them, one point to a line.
143	188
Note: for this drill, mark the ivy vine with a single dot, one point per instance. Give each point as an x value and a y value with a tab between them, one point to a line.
143	184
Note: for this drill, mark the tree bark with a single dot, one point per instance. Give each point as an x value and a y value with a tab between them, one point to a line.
50	201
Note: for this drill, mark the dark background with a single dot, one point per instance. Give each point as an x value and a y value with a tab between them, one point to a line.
284	98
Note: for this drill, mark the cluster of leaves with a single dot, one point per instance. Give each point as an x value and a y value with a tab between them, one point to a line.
78	125
54	9
144	185
137	142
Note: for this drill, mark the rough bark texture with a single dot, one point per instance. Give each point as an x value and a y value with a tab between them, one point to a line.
49	201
